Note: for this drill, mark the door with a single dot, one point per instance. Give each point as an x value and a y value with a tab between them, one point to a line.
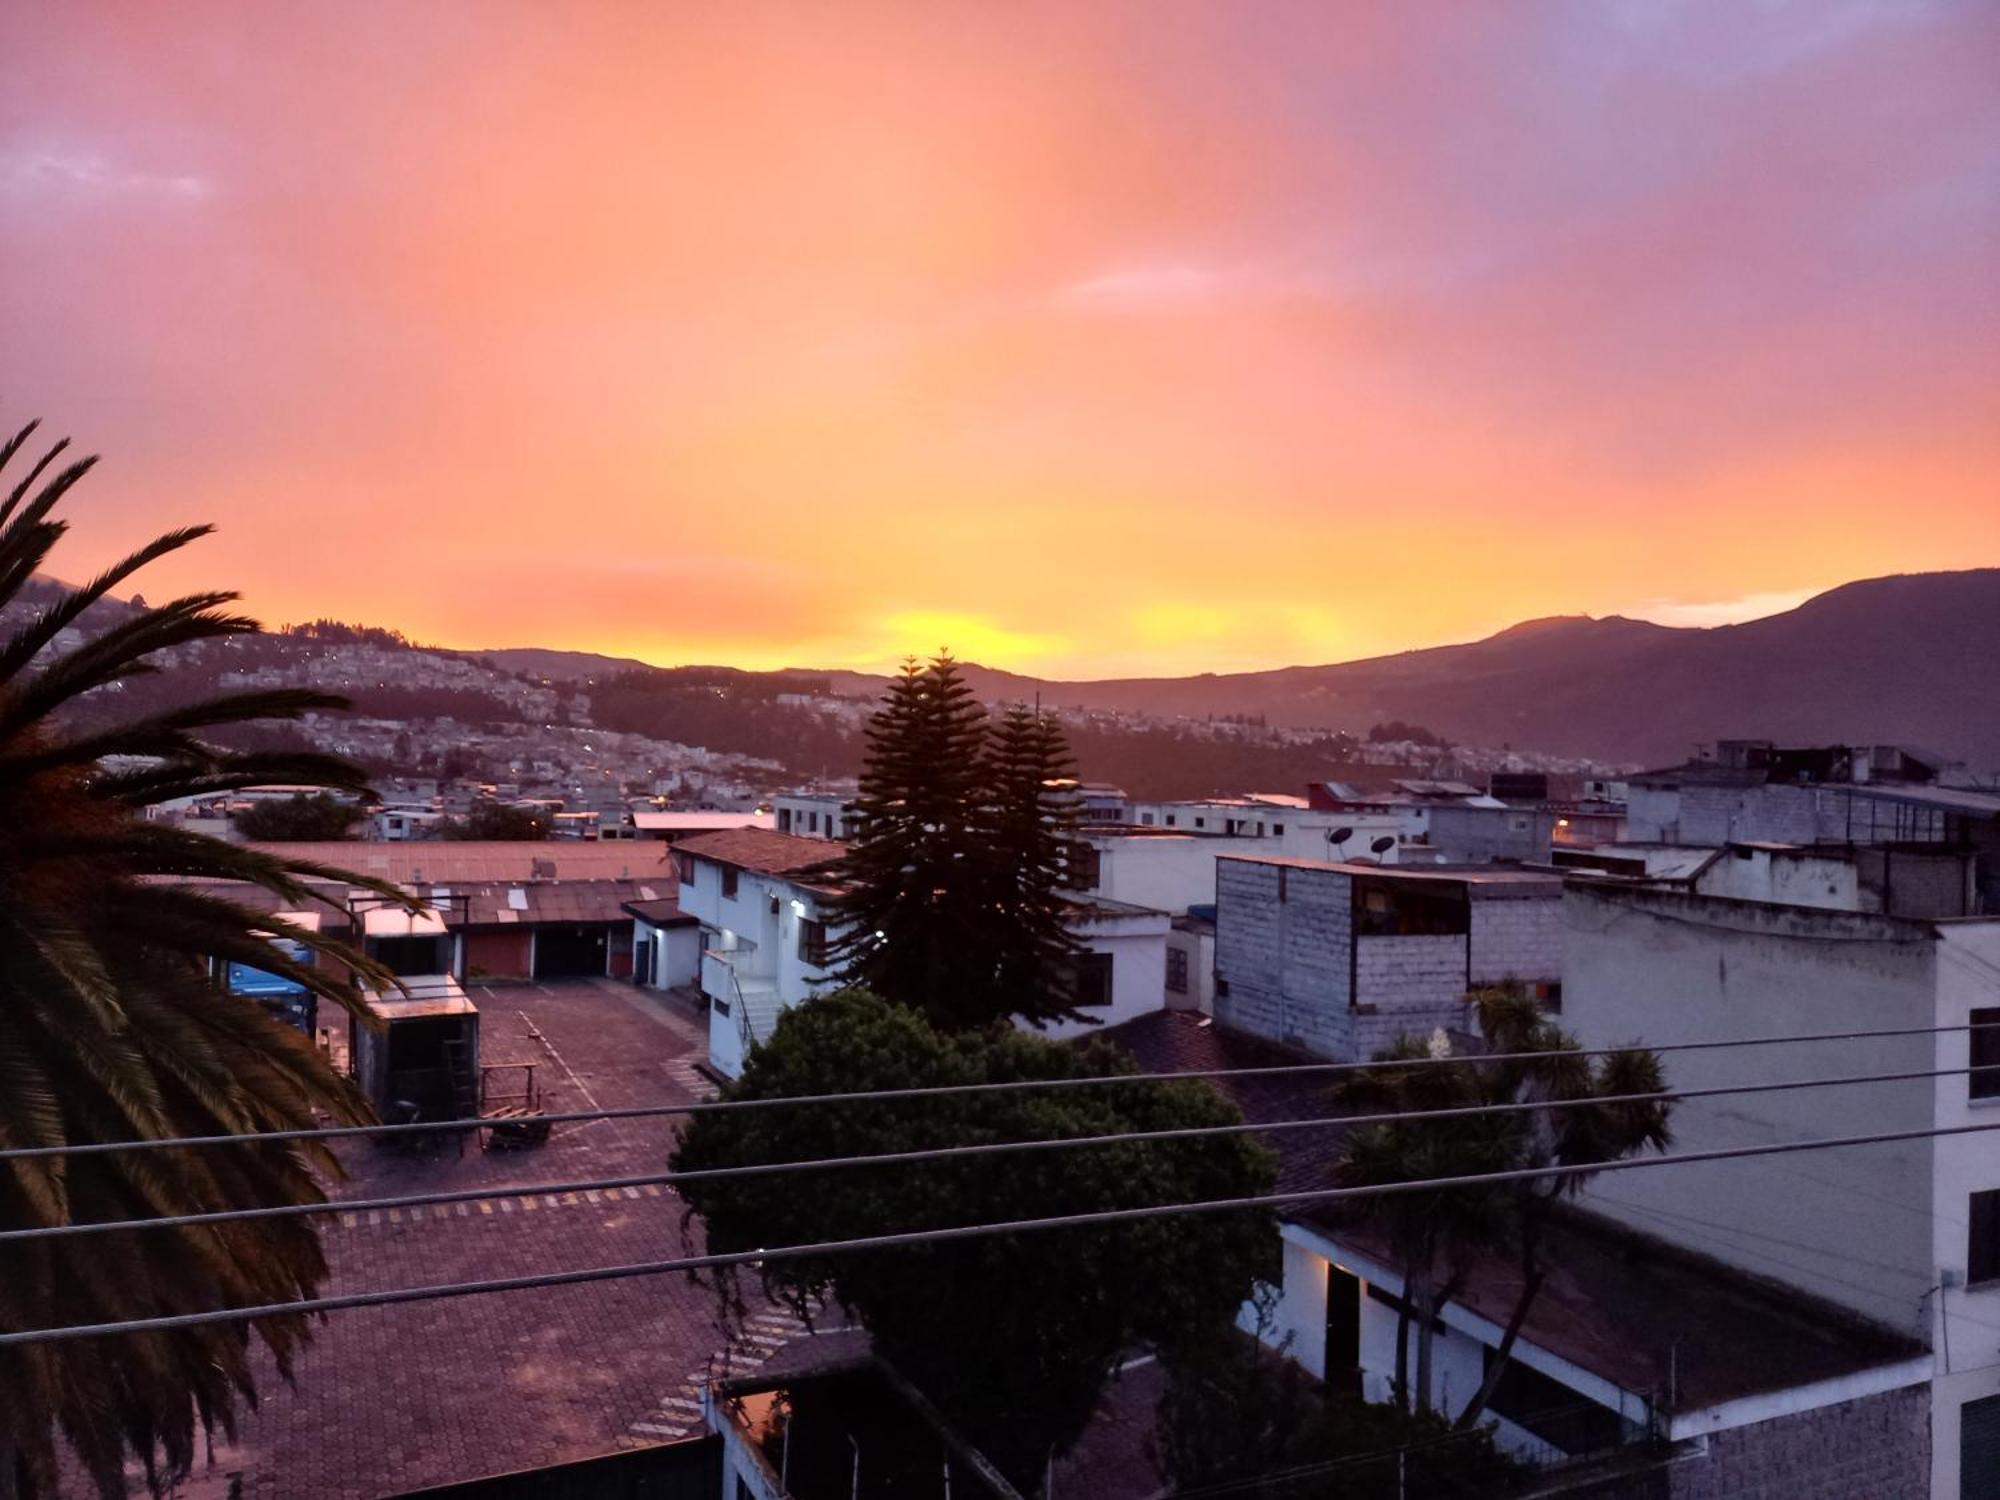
1343	1330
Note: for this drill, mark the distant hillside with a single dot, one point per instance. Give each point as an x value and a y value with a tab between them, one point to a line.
557	666
1912	659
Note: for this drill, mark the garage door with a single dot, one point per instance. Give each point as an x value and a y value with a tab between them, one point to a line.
570	952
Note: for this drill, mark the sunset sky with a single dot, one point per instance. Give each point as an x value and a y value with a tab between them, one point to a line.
1087	338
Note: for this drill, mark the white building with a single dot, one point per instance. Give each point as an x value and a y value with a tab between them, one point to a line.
765	937
1905	1234
1342	959
813	815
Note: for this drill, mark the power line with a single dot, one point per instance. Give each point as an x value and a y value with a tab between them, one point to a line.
947	1153
906	1238
870	1096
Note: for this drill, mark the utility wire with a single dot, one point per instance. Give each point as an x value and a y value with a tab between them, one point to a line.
905	1238
947	1153
870	1096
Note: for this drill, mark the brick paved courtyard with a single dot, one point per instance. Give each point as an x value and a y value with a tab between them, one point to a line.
393	1398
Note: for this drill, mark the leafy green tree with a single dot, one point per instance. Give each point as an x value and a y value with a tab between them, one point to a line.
494	820
917	912
111	1029
1012	1337
1243	1419
1032	848
320	818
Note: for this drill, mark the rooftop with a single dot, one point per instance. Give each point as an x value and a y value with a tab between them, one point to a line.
762	850
674	822
1654	1319
1482	875
449	861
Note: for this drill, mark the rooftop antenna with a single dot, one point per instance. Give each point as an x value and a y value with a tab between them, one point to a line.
1384	844
1335	837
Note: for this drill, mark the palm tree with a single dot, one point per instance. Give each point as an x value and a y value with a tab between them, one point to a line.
1580	1135
111	1028
1431	1232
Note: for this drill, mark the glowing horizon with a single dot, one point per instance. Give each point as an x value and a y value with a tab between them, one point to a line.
1089	341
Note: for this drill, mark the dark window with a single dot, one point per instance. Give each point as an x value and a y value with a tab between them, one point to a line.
729	882
1201	822
1221	988
1387	910
1551	996
1147	819
1170	819
1086	867
812	943
1979	1449
1093	979
1177	970
1277	830
784	820
1552	1411
1985	1079
812	822
1982	1255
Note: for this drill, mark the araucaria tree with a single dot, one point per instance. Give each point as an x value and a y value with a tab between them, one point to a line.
1014	1336
1029	784
111	1029
949	885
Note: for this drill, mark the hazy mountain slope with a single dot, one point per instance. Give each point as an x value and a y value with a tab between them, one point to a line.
1912	659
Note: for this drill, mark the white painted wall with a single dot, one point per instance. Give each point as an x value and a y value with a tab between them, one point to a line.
1853	1226
1169	873
1785	877
1137	945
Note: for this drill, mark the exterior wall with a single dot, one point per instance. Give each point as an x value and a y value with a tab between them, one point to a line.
811	817
1966	1319
1285	958
1652	816
499	955
1872	1448
1481	835
1783	878
1137	946
1516	936
1199	947
1307	838
1167	874
1407	986
1665	967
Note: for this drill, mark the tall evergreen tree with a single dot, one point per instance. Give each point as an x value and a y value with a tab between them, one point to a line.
1032	817
916	911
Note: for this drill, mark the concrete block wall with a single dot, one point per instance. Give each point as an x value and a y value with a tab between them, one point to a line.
1407	986
1283	934
1520	938
1872	1448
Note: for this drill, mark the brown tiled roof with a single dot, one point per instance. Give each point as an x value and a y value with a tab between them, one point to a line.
763	851
1653	1318
525	903
448	861
1184	1041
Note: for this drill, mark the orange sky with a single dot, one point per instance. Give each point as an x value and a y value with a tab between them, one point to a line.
1086	338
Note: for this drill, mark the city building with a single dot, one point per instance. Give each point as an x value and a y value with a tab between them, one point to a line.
1341	959
1904	1234
763	900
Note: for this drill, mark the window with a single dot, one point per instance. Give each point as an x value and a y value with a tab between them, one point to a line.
1277	830
1984	1082
1979	1449
1086	867
1221	988
1170	819
1982	1254
1201	822
1177	970
728	882
1552	1411
1550	993
1147	819
812	943
784	820
1093	979
1383	909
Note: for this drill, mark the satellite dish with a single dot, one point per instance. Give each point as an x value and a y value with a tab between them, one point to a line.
1339	835
1384	844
